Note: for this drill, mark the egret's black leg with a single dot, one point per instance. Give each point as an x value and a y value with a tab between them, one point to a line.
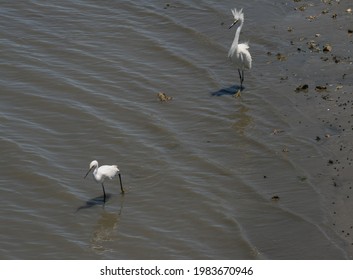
104	196
241	79
121	184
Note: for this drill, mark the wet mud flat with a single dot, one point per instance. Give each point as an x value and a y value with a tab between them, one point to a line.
317	76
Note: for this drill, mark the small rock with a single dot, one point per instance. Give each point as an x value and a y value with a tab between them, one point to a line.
336	59
281	57
163	97
277	131
313	46
327	97
302	8
311	18
320	88
302	88
275	198
327	48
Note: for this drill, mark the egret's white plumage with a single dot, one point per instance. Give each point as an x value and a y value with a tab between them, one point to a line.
239	53
103	172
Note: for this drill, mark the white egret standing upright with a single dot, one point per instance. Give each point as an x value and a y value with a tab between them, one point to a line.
103	172
239	53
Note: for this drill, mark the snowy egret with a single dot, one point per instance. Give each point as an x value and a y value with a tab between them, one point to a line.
238	53
103	172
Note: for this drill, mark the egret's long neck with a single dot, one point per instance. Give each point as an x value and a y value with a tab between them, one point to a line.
97	176
236	40
237	33
95	170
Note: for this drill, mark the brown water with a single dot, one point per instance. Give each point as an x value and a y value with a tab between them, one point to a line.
80	81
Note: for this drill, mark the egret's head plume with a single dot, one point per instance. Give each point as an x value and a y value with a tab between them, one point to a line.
238	15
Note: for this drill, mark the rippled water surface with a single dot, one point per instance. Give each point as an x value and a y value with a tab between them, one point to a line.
208	176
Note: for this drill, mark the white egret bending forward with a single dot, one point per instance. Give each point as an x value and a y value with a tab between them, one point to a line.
239	53
103	172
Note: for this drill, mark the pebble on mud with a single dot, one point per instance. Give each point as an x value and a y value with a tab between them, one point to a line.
277	131
302	88
302	8
311	18
281	57
320	88
275	198
327	48
163	97
313	46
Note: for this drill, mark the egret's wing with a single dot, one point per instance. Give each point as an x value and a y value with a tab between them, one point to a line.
244	55
108	171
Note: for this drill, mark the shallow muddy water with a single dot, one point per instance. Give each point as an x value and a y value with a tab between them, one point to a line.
208	176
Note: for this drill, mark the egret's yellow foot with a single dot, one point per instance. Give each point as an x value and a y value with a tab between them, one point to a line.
237	94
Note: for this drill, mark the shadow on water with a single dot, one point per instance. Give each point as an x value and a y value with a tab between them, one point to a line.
227	91
99	200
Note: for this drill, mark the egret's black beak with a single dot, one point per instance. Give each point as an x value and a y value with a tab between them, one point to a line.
234	23
88	172
121	184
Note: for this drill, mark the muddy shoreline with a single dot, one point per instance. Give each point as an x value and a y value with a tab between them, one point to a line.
317	67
